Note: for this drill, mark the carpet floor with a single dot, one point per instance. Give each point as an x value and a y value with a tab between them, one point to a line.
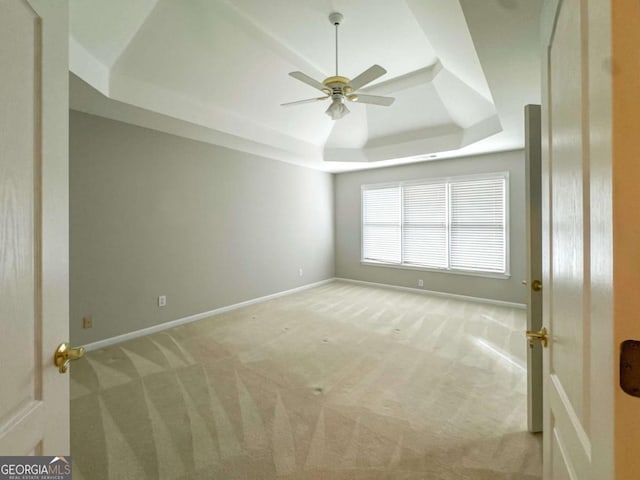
341	381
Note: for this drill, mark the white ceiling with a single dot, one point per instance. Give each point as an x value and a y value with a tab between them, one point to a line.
217	71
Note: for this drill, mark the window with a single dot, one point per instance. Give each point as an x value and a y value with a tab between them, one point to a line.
455	224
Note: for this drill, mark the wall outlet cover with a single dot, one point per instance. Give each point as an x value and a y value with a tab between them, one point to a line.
162	301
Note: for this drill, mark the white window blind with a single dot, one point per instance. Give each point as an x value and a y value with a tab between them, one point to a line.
449	224
478	225
381	229
425	225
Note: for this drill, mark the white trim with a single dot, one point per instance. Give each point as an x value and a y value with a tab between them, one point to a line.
454	296
198	316
405	266
217	311
430	180
87	67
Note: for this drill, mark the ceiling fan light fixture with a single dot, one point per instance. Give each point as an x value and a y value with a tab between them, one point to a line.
337	109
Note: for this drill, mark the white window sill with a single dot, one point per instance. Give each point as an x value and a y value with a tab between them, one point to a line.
499	276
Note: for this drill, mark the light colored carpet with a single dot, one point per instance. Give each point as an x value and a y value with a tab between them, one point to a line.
342	381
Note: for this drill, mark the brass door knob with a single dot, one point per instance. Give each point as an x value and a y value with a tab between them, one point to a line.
65	354
536	285
542	335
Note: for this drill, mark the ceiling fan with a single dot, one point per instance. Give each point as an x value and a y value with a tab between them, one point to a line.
338	88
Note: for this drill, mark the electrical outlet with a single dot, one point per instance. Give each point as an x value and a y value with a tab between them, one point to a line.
300	272
87	322
162	301
421	283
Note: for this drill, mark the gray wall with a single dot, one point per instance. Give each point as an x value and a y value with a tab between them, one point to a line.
348	236
154	214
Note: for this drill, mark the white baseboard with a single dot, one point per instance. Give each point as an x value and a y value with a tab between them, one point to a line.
198	316
455	296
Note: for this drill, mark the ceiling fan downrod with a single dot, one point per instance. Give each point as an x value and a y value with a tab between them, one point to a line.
336	19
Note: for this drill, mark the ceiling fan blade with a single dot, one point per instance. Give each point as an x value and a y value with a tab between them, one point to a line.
374	99
368	76
304	78
300	102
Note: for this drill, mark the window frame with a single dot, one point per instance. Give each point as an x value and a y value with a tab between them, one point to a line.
447	181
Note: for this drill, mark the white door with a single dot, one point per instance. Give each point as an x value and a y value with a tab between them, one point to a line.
577	284
34	397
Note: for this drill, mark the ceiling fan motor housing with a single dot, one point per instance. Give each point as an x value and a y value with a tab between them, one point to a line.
338	84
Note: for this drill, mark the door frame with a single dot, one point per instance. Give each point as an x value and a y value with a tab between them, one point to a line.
622	67
534	264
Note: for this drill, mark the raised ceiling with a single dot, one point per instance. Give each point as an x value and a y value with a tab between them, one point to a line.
216	71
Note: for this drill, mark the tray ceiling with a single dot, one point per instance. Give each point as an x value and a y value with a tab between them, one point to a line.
216	70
